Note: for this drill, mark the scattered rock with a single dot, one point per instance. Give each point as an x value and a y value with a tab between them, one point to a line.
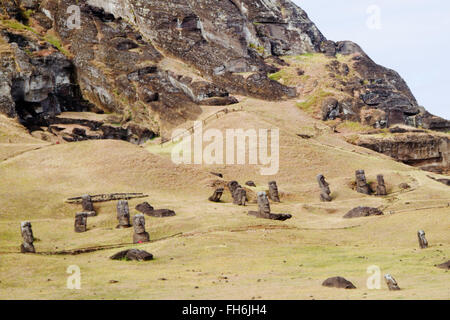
140	235
445	265
404	186
338	282
273	191
363	212
28	239
123	214
113	281
324	189
216	195
132	254
423	243
391	283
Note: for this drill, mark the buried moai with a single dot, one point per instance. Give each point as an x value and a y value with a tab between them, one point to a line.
28	239
273	191
240	196
361	182
264	209
81	222
381	187
216	195
423	243
232	186
87	204
324	189
123	214
391	283
140	235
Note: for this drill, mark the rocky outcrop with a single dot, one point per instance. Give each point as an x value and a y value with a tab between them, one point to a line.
428	151
132	255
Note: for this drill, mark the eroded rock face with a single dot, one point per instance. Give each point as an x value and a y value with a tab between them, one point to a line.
338	282
427	151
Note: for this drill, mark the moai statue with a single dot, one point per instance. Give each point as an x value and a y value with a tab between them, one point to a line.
273	191
361	182
423	243
216	195
87	204
324	189
381	187
391	283
123	214
232	186
140	235
263	203
240	196
81	222
28	239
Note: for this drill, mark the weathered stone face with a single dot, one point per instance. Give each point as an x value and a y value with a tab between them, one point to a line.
263	203
87	204
240	196
81	222
139	223
28	239
273	191
232	186
381	187
361	182
423	243
123	214
216	195
325	191
140	235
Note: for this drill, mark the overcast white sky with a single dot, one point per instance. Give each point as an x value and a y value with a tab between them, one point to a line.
410	36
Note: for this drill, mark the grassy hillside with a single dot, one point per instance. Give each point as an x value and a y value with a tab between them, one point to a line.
214	250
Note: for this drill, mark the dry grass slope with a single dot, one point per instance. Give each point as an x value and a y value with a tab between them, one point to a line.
222	251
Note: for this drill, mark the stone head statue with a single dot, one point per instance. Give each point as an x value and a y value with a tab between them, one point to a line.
27	232
263	202
139	223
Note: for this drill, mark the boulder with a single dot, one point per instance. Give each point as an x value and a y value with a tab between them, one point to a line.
132	255
445	265
250	184
338	282
363	212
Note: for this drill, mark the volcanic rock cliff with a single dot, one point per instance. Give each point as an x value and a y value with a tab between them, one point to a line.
153	63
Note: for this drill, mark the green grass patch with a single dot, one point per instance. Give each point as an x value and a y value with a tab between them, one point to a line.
313	101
